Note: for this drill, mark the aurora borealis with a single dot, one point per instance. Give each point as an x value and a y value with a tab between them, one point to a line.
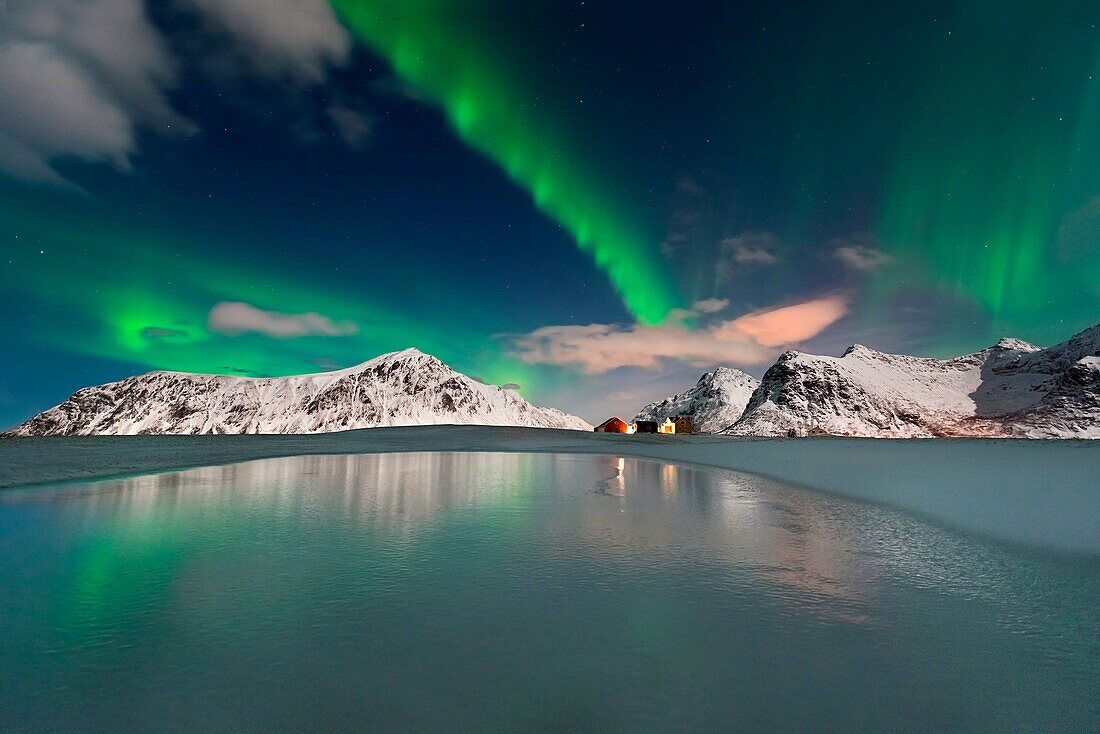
430	46
458	176
978	201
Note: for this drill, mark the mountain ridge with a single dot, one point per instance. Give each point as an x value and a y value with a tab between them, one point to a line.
1011	389
407	387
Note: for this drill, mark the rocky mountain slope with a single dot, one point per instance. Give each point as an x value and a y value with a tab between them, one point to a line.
1010	389
714	403
398	389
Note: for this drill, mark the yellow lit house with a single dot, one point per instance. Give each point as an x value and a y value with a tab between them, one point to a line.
655	426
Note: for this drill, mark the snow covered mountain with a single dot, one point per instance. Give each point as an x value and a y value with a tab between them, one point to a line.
398	389
716	401
1010	389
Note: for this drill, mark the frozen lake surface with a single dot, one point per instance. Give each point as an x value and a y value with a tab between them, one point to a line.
1040	493
505	591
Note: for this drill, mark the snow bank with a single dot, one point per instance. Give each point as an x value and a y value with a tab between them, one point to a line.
1040	493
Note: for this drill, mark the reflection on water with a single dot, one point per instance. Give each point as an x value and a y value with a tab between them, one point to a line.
438	591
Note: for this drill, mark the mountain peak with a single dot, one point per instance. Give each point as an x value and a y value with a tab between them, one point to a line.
407	353
858	350
1014	344
726	372
1010	389
715	402
396	389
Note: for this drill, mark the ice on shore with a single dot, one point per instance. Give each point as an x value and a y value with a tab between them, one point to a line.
1040	493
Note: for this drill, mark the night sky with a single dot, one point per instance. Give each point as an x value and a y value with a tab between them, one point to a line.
593	201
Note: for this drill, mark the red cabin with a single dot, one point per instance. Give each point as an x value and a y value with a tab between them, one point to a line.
613	425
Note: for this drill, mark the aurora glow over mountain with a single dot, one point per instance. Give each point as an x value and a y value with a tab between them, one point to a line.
537	194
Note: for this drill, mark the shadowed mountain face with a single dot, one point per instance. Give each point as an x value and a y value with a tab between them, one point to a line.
1010	389
398	389
714	403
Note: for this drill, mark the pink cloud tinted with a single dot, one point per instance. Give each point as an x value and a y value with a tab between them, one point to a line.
788	324
752	338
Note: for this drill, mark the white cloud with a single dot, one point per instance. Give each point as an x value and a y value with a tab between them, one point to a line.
710	305
753	256
77	79
299	38
699	308
752	338
747	256
354	128
748	250
325	363
88	125
235	317
858	253
597	348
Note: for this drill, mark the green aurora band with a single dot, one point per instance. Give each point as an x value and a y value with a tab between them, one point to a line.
992	197
432	47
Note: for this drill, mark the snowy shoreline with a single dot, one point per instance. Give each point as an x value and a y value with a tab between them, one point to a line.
1039	493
